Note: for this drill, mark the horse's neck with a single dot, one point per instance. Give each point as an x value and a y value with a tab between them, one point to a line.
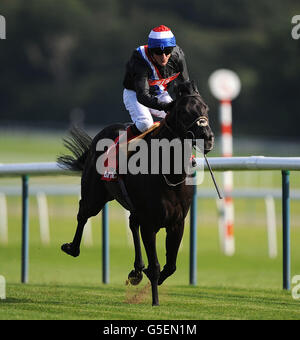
165	133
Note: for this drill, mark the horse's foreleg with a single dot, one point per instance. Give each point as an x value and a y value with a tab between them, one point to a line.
134	226
153	270
136	275
173	239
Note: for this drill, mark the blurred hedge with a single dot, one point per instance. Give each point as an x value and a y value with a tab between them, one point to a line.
65	54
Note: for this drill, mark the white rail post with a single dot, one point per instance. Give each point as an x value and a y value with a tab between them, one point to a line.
43	217
2	288
271	226
87	236
220	211
3	220
128	231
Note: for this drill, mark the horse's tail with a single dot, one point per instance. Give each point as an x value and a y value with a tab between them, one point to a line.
79	144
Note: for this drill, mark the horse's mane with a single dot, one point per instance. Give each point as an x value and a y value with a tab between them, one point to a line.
189	88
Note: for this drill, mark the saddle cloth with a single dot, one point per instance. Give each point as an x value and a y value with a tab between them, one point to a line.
112	153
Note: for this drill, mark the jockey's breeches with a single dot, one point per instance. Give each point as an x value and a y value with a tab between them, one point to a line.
140	114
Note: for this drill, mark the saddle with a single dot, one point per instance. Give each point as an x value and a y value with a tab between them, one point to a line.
115	181
111	174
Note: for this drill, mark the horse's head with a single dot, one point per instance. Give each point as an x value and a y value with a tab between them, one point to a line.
189	115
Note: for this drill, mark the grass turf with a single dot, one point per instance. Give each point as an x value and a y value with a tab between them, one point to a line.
245	286
115	302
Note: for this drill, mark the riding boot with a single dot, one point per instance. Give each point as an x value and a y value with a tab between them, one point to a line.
132	132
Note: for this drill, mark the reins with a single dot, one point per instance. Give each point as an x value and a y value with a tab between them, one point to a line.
165	121
175	133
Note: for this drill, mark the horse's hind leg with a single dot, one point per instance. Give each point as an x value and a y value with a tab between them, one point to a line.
174	236
136	275
93	198
83	215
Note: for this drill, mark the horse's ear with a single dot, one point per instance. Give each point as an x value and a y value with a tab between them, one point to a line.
194	86
181	88
187	87
177	90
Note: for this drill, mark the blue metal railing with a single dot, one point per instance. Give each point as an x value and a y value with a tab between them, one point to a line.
25	229
217	164
286	229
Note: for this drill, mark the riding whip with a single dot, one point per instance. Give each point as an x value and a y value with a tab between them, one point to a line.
213	178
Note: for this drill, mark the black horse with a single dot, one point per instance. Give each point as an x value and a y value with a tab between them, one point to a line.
156	200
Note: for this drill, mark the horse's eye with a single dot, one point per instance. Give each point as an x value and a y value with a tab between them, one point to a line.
202	122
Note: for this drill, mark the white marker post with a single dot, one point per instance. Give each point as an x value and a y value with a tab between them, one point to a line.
2	288
225	85
3	220
87	232
43	217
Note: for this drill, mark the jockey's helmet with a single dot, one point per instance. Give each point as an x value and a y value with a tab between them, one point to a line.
161	37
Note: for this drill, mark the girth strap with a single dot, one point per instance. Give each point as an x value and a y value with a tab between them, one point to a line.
125	194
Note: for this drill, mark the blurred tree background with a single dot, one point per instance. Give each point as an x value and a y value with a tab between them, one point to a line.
63	57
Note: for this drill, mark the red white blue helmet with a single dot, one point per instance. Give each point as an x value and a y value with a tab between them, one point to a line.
161	36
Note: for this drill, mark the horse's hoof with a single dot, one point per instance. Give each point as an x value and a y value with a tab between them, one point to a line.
68	249
135	277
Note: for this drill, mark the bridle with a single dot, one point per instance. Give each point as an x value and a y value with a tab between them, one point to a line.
201	121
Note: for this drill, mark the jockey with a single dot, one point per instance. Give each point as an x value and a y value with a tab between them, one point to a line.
149	73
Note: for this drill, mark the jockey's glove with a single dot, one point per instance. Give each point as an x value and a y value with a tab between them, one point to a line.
167	107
